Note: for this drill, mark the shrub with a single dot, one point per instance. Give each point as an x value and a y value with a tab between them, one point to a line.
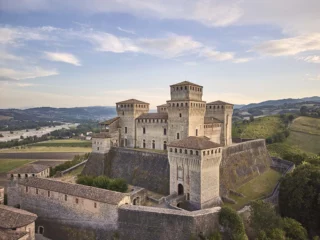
116	184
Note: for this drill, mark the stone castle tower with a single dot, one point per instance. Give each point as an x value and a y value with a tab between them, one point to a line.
186	111
128	111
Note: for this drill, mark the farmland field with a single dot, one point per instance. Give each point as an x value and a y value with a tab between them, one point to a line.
63	143
306	125
9	164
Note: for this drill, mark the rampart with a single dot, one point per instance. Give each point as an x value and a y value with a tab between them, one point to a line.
241	162
138	222
149	170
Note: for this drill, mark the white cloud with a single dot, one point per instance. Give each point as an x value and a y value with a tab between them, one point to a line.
25	84
9	57
310	59
217	55
31	72
62	57
310	77
290	46
126	30
242	60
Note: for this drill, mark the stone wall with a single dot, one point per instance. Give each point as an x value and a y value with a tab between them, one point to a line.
137	222
242	162
140	168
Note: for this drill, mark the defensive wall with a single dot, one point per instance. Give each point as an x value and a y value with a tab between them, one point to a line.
139	222
241	162
149	170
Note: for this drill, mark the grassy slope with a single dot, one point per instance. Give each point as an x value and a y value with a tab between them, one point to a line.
9	164
260	128
256	188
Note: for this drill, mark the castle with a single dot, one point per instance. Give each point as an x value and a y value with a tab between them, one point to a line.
192	131
184	153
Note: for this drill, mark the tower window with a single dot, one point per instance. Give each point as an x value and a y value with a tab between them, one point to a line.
164	131
185	87
65	197
175	150
153	144
178	136
37	191
125	130
186	151
48	193
180	115
191	152
144	130
196	132
164	145
144	143
197	153
26	189
180	150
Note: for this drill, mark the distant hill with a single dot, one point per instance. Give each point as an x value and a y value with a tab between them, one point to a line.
281	102
59	114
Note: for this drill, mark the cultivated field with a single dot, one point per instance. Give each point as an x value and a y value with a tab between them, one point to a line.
7	165
306	125
257	188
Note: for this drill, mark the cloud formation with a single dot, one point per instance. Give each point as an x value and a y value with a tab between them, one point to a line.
31	72
126	30
290	46
62	57
310	59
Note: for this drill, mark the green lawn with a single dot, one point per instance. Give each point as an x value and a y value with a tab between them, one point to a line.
63	143
7	165
304	141
260	128
256	188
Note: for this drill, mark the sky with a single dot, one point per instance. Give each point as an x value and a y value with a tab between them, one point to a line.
72	53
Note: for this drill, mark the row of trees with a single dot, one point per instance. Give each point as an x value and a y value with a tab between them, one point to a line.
68	164
24	141
14	125
114	184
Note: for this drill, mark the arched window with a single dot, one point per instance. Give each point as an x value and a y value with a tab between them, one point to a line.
180	115
41	229
185	87
196	132
164	131
175	150
153	144
144	130
197	153
204	153
191	152
19	176
26	175
186	151
178	136
180	150
164	145
144	143
125	130
172	104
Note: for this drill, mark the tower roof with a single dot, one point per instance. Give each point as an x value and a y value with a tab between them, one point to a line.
219	103
133	101
185	83
192	142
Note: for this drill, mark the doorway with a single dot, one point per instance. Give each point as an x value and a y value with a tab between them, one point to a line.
180	189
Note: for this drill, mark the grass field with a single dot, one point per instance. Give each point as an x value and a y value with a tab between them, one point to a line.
47	149
63	143
9	164
304	141
306	125
256	188
260	128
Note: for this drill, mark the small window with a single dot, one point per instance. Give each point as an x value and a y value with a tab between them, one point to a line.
144	130
164	145
180	115
185	87
164	130
178	136
175	150
65	197
191	152
219	149
37	191
27	189
95	205
41	230
19	176
153	144
125	130
48	193
197	153
180	150
26	175
97	148
186	151
77	200
196	132
211	151
170	149
204	153
144	143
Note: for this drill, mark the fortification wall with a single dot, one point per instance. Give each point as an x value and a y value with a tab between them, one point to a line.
144	169
140	168
242	162
138	222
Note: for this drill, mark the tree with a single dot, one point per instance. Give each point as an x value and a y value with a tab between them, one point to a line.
263	217
251	118
294	229
303	110
299	196
232	223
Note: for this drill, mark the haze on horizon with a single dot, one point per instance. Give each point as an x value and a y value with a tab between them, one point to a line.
95	53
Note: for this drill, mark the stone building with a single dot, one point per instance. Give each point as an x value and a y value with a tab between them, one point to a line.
29	170
16	224
184	115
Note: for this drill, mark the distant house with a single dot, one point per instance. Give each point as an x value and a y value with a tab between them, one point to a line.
29	170
16	224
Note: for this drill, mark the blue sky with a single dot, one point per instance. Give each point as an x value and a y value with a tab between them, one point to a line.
88	53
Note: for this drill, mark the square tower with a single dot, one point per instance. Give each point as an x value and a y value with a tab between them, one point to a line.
194	170
222	111
186	111
128	111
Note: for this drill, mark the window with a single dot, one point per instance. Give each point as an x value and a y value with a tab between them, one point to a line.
27	189
191	152
11	175
153	144
164	131
186	151
19	176
180	150
48	193
196	132
41	230
77	200
185	87
180	115
144	130
144	143
97	148
65	197
26	175
95	205
164	145
125	130
178	136
211	151
122	112
204	153
37	191
170	149
197	153
175	150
